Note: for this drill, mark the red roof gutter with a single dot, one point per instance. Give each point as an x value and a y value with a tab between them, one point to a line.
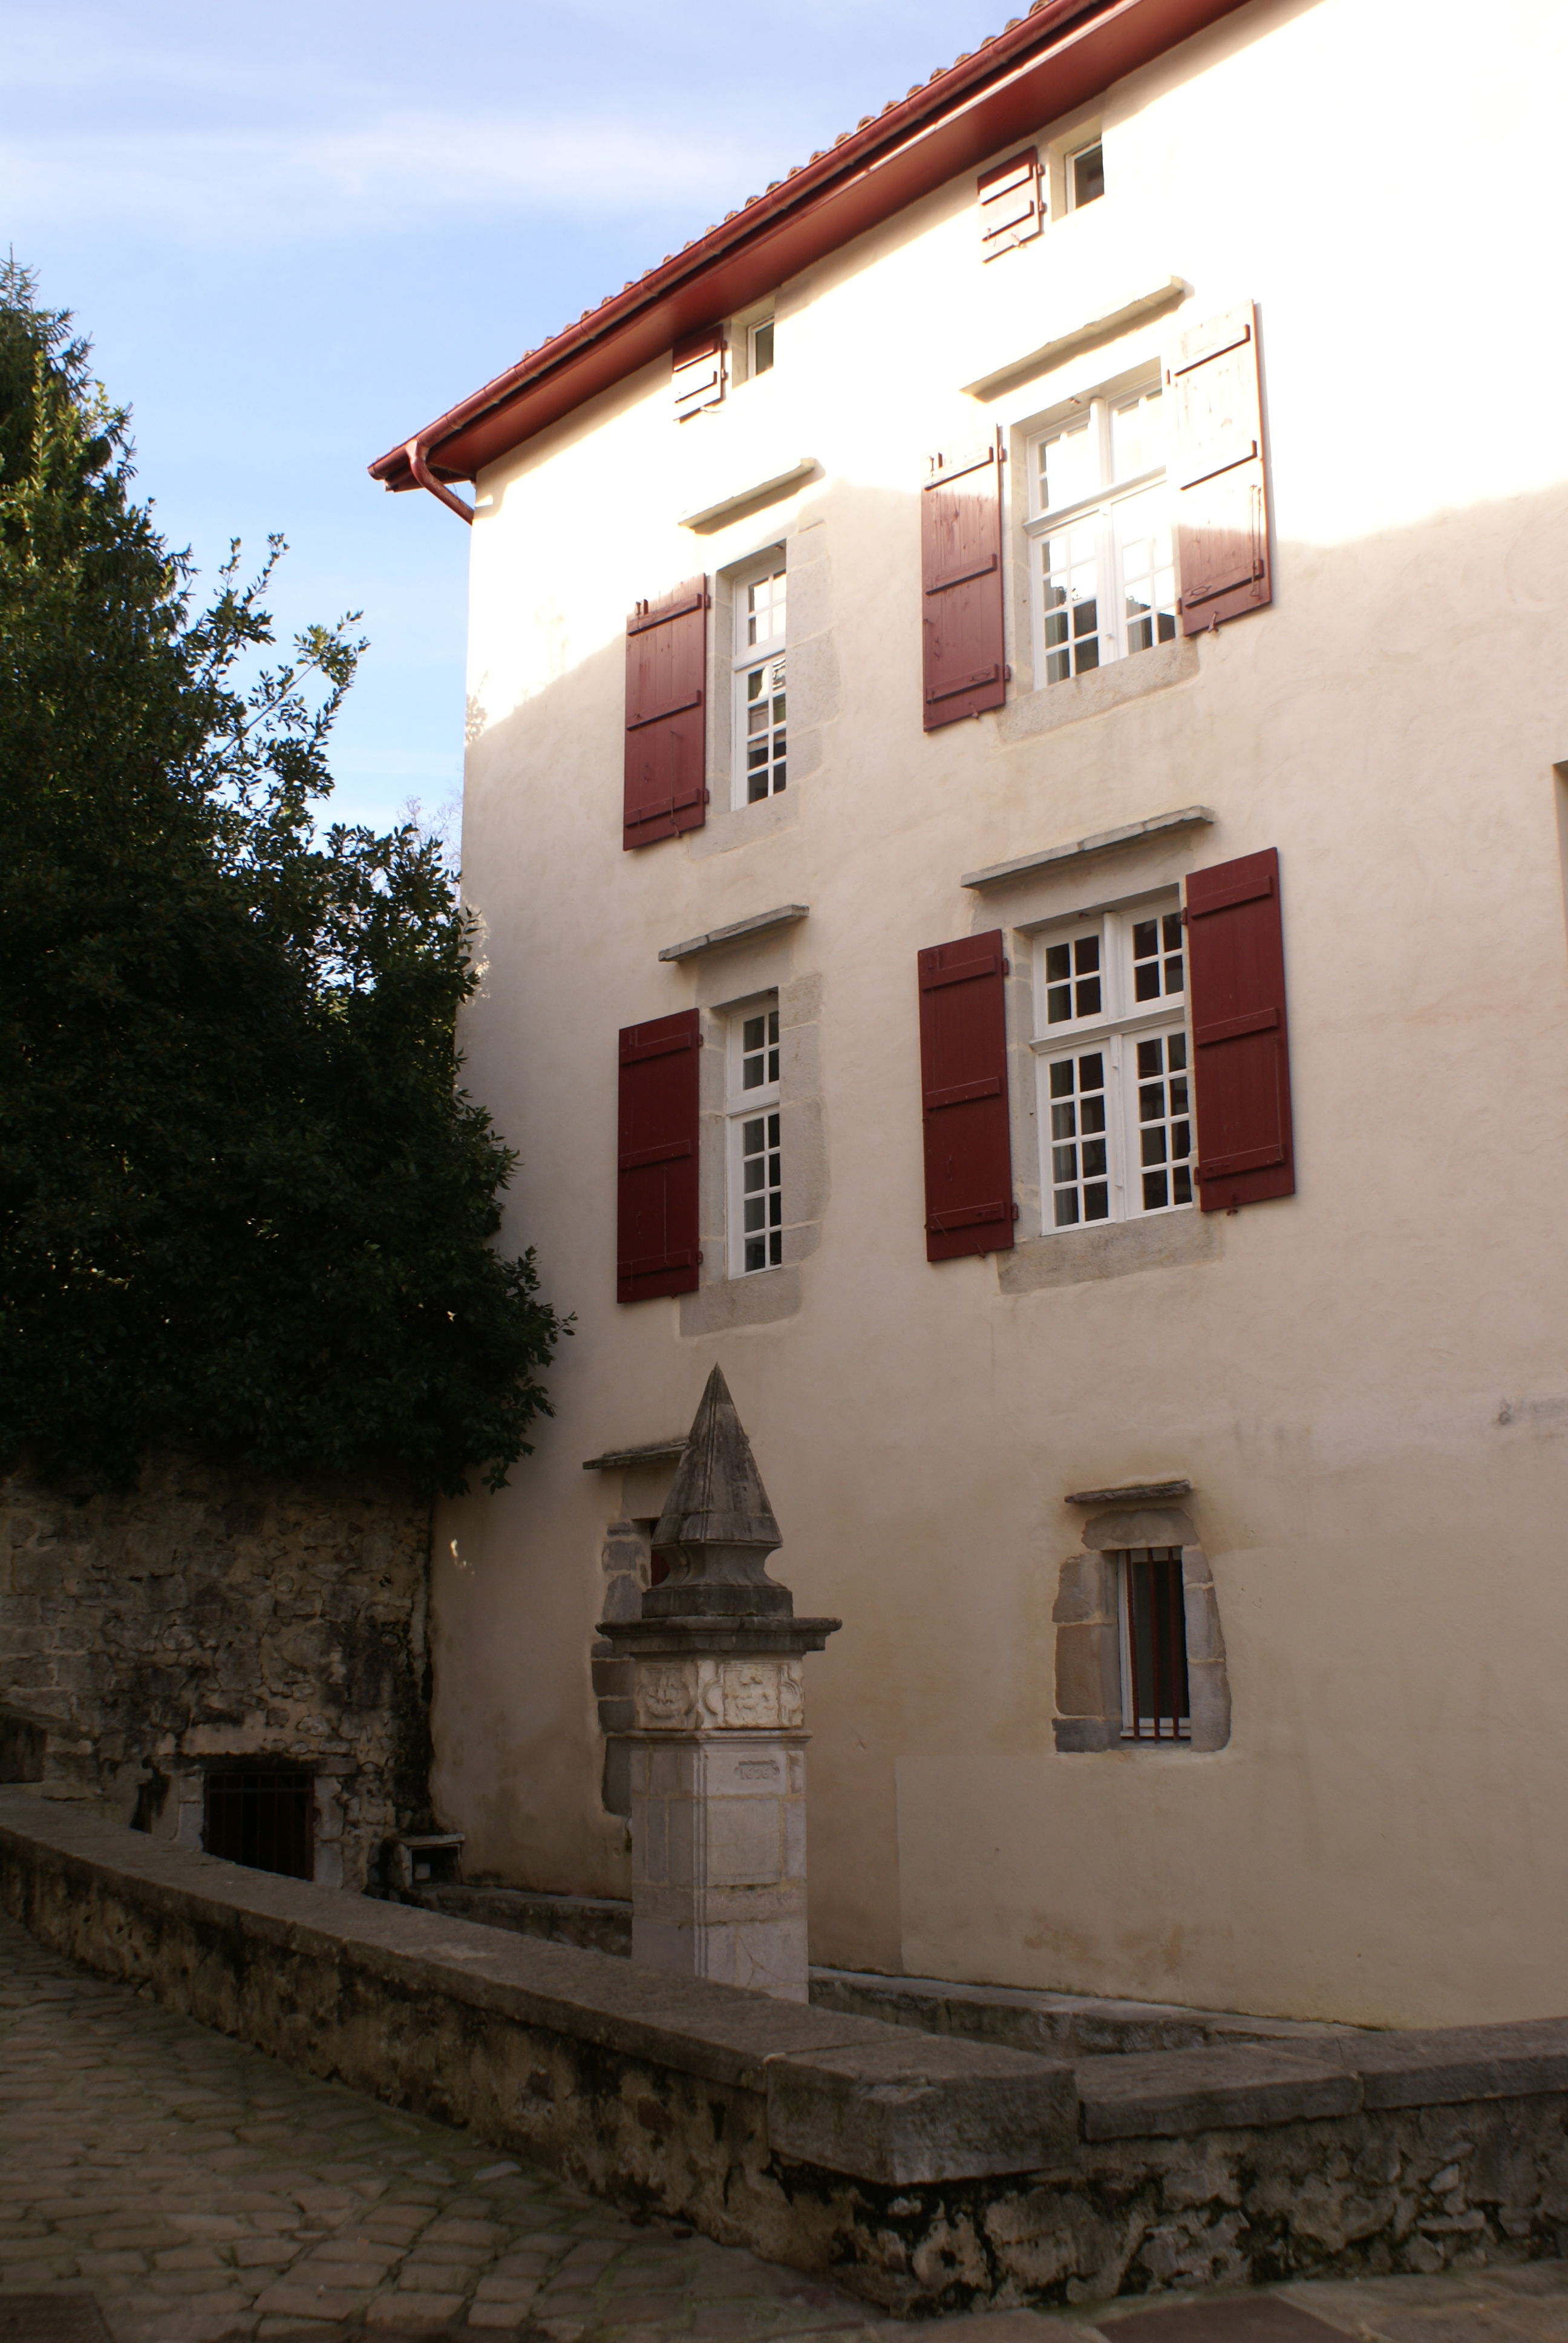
1050	62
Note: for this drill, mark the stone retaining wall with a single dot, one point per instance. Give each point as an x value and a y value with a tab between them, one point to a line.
928	2174
203	1616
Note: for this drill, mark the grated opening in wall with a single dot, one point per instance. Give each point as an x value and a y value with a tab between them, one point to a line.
260	1816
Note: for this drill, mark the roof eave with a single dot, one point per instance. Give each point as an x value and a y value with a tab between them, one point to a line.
1041	69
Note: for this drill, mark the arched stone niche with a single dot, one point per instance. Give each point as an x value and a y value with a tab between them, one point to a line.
1089	1630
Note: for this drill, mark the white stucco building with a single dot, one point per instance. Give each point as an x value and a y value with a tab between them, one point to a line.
1127	478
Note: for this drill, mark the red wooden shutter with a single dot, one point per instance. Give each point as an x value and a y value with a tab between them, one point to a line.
665	750
1241	1053
657	1229
963	1081
1011	210
696	367
1216	423
960	565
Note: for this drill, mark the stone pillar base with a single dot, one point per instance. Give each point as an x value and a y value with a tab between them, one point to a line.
719	1858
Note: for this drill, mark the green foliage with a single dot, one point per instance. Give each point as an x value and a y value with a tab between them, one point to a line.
242	1212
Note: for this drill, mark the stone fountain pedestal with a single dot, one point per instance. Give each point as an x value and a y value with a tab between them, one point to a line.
718	1750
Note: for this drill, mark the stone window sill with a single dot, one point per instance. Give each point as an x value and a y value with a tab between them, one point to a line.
1117	1248
756	1300
1098	692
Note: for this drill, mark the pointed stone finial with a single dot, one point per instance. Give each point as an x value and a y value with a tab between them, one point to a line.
717	1529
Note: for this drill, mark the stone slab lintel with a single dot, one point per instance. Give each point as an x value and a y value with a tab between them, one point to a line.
738	500
652	1452
1163	295
1079	849
786	916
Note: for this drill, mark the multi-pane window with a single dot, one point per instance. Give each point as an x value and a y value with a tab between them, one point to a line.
758	347
1103	575
760	762
756	1164
1115	1108
1155	1706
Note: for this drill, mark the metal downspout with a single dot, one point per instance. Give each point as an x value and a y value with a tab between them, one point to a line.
426	479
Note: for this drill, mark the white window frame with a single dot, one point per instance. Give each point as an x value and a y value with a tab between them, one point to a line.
747	659
742	338
1071	156
1115	1030
1102	516
743	1105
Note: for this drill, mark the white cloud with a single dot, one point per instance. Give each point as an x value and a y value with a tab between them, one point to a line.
267	184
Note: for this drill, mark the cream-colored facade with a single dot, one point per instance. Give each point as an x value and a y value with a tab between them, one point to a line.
1366	1383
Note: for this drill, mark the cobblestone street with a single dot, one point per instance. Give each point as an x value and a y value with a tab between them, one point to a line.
159	2184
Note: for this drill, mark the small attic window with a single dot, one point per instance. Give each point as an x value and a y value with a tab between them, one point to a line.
751	342
1085	175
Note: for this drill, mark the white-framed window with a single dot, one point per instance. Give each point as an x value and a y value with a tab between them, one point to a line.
1102	577
751	343
1152	1606
1083	169
760	761
1116	1125
756	1161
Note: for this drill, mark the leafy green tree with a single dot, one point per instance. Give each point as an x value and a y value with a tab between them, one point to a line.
245	1212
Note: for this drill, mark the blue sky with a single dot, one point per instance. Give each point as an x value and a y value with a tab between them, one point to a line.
295	233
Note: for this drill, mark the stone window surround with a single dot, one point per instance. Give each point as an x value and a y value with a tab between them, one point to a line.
1086	1615
726	982
328	1776
1043	889
813	685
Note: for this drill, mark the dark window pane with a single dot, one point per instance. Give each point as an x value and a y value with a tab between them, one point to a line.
1062	1079
1179	1095
1064	1163
1094	1159
1089	996
1183	1179
1097	1203
1086	955
1067	1208
1091	1073
1146	980
1154	1144
1151	1101
1153	1191
1058	1004
1177	1051
1088	176
1149	1059
1093	1114
1063	1122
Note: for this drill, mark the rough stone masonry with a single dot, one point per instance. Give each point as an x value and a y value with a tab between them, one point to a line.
204	1617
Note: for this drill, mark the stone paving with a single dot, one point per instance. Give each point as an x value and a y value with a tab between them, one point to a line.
159	2184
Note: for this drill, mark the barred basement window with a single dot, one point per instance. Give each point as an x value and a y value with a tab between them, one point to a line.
260	1815
756	1175
1155	1704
